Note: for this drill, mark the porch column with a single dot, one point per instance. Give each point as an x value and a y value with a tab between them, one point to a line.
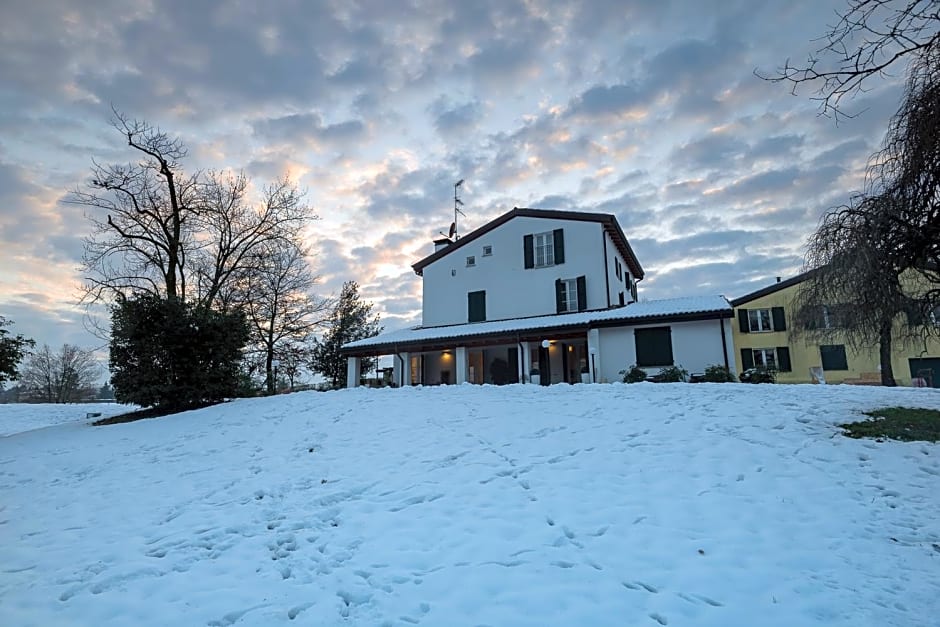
525	363
353	370
405	368
594	355
461	359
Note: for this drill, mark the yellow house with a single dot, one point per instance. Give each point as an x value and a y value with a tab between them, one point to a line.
761	337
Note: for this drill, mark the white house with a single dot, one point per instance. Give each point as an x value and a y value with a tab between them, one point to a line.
546	296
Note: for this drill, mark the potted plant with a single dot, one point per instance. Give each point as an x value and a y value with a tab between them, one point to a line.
534	376
585	374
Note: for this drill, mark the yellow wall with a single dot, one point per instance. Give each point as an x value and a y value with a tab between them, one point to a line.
804	354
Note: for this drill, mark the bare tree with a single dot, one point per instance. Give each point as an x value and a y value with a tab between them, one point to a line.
293	356
235	234
278	300
908	169
141	243
161	231
66	376
869	38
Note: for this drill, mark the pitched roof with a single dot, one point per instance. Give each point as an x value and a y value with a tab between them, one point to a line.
671	309
608	220
770	289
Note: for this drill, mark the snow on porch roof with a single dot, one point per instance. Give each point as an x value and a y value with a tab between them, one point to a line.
637	313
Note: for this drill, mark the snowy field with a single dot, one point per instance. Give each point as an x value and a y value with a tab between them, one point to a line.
22	417
668	504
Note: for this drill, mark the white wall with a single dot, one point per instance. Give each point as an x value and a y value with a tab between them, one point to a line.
695	345
623	283
511	290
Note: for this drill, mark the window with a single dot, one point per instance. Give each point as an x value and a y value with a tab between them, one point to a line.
833	357
828	317
487	251
762	320
620	296
765	358
653	346
916	317
471	261
476	306
544	249
570	295
633	290
772	358
759	320
617	268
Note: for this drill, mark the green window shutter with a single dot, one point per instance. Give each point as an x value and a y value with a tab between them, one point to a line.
915	317
476	306
528	250
582	293
833	357
747	358
559	236
559	296
742	321
783	359
780	320
653	346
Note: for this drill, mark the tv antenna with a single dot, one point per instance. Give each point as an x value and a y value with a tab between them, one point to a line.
457	204
452	231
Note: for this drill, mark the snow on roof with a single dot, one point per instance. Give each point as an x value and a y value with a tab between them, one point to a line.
665	308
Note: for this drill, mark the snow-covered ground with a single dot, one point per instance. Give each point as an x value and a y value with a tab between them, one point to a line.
668	504
22	417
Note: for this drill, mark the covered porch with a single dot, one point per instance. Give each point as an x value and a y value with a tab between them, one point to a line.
542	359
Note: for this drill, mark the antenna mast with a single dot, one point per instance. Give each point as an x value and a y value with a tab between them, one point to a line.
457	203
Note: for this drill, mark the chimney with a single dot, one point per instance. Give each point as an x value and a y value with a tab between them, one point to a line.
778	279
441	243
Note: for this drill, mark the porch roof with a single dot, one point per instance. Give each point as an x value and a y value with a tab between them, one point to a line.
666	310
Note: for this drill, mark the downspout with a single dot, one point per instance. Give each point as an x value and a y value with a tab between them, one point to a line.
724	342
606	269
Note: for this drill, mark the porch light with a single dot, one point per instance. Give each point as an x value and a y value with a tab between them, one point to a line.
546	343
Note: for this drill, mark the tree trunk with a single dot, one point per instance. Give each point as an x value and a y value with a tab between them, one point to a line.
887	374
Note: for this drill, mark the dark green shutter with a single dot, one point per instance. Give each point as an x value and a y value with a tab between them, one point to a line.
780	321
747	358
742	321
559	296
833	357
528	250
476	306
559	236
582	293
653	346
783	359
915	316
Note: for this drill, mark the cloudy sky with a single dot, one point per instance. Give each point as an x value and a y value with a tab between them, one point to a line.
647	109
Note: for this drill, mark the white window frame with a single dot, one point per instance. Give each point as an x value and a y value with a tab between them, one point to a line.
487	251
570	301
471	261
764	353
760	326
543	249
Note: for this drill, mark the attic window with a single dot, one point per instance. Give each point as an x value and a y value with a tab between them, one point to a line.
471	261
487	251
